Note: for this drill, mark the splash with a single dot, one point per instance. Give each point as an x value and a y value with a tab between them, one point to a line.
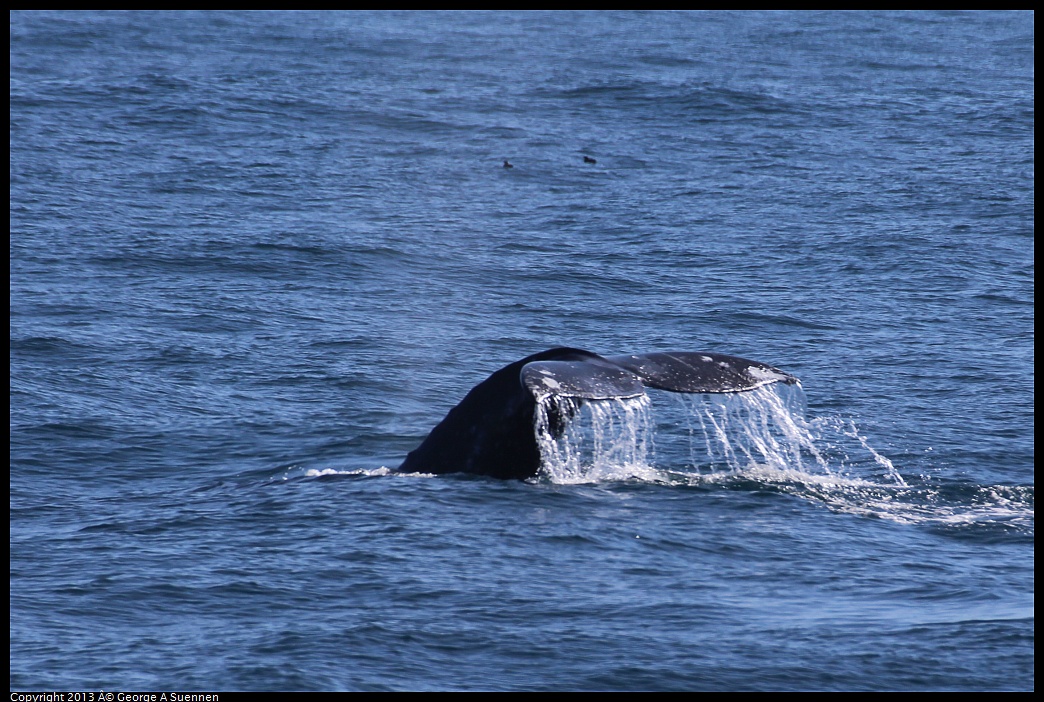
591	441
761	429
764	429
758	440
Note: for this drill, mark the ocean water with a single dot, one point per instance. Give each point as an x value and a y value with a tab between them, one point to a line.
255	257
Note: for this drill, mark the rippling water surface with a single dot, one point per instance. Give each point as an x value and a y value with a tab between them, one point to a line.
255	257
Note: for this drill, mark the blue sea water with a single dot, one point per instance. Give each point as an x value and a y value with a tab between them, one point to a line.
255	257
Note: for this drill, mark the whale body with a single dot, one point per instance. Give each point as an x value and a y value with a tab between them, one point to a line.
492	430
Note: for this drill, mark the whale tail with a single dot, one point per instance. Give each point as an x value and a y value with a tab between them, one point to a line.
491	431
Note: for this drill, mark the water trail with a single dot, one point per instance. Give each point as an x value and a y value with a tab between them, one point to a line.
763	428
590	441
853	432
759	437
582	440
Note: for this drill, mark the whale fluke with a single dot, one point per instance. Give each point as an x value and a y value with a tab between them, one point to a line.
492	432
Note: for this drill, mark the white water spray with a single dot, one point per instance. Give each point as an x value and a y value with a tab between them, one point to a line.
762	428
589	441
735	439
760	434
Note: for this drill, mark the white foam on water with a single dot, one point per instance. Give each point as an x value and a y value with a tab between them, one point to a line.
369	472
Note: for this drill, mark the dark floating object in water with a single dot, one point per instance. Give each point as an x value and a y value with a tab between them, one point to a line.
588	159
492	430
507	164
